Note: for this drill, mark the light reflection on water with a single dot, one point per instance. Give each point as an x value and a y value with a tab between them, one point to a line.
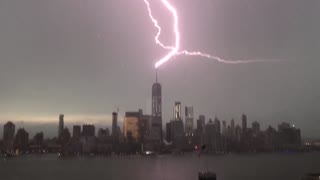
166	167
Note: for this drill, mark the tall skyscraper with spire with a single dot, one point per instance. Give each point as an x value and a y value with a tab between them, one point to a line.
156	111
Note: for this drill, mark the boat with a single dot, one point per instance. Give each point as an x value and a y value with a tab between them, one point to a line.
207	175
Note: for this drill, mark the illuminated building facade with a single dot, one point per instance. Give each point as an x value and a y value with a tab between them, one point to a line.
130	125
177	111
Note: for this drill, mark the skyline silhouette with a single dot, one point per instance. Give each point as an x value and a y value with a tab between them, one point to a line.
86	59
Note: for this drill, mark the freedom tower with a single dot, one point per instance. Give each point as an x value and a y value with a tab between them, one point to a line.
156	132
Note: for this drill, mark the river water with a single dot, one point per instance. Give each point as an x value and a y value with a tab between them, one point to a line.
279	166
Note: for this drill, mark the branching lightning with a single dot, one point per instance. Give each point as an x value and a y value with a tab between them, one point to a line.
175	50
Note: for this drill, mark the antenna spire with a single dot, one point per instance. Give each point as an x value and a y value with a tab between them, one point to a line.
156	76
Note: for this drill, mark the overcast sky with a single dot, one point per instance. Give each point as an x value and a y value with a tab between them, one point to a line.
85	58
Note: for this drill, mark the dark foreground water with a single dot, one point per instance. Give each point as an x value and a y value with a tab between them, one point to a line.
284	166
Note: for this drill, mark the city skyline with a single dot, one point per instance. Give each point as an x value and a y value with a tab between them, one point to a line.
156	106
83	63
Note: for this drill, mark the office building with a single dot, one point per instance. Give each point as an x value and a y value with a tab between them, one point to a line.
38	138
217	125
189	121
8	136
237	135
156	124
61	124
244	123
88	130
177	131
224	128
232	128
211	136
21	140
130	126
103	133
114	131
255	127
144	127
168	132
201	124
289	136
76	133
177	111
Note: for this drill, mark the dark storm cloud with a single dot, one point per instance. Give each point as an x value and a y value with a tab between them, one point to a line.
89	57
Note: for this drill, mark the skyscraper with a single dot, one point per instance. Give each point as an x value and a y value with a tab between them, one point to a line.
244	123
232	128
189	120
211	136
21	140
177	131
224	127
168	132
288	135
130	126
88	130
156	125
217	125
237	135
8	136
76	133
201	124
144	127
61	124
218	138
232	124
255	127
114	132
103	133
177	111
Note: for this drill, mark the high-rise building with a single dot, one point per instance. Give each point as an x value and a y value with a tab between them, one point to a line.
156	124
237	135
244	123
211	138
65	137
168	132
288	135
114	132
177	131
232	124
38	138
21	140
218	138
189	121
88	130
76	133
232	129
144	127
8	136
201	124
224	127
217	125
177	111
103	133
255	127
130	126
61	124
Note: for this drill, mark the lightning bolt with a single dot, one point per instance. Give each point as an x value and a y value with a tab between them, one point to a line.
175	50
